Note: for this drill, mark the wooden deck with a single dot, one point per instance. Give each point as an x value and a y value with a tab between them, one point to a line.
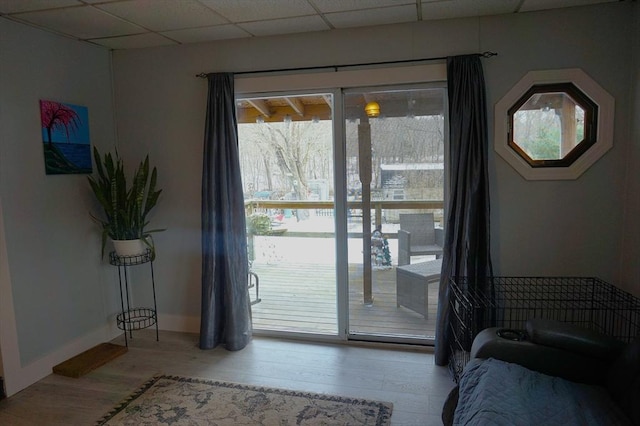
301	298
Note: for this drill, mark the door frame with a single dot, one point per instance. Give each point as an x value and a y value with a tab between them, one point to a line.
441	85
431	73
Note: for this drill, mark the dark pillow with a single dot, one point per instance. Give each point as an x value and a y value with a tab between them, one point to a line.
623	381
571	337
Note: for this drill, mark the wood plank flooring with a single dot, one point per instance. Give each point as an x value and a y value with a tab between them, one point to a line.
406	377
301	297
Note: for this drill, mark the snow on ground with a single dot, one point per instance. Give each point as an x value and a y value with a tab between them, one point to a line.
277	249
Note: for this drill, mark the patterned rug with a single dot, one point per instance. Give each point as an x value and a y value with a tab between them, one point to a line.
172	400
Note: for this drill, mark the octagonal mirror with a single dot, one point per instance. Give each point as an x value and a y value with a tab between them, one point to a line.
554	124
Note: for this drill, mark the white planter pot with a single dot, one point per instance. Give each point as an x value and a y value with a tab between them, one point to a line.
129	247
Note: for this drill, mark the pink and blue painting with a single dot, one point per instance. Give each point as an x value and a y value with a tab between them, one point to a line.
65	134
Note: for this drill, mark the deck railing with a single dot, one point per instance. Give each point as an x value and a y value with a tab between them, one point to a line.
389	207
377	206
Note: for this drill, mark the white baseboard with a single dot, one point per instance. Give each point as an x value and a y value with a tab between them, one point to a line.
18	377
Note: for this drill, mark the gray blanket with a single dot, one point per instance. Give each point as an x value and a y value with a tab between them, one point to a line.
494	392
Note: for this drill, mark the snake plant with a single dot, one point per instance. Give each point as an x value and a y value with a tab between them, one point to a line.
125	208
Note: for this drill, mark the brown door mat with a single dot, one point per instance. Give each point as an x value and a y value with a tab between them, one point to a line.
89	360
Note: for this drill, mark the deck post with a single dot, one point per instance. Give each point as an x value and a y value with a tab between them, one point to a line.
364	145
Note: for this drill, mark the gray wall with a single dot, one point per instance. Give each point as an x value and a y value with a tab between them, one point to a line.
538	228
64	296
562	227
161	106
61	289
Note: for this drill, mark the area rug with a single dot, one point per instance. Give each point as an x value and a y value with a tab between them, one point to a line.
173	400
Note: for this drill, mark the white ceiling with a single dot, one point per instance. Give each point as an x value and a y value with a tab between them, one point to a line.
127	24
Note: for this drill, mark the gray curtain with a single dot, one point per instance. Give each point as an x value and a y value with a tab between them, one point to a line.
466	249
226	311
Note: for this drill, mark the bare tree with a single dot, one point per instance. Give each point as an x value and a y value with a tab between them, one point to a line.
284	157
296	149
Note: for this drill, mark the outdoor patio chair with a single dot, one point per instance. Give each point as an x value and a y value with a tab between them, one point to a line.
418	236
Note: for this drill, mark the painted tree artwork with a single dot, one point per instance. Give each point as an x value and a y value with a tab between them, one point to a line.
65	137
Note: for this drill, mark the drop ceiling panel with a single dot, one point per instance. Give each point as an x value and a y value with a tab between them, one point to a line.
285	26
379	16
251	10
531	5
80	22
164	15
13	6
191	21
134	41
467	8
196	35
327	6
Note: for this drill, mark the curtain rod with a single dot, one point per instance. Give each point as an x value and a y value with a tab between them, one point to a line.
336	67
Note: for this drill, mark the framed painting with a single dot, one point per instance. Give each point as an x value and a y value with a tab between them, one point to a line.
65	137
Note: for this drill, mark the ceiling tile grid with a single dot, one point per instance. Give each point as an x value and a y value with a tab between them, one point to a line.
129	24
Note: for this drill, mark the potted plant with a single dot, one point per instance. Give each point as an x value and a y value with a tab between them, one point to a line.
258	224
125	208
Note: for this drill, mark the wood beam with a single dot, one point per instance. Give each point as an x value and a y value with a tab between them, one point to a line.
328	100
261	106
249	115
297	105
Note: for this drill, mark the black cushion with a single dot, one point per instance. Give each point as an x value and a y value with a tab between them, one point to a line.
545	359
573	338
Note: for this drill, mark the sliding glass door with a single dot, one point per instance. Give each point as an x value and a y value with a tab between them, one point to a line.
286	151
395	174
315	186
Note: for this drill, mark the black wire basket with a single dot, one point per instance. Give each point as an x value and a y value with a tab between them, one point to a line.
136	319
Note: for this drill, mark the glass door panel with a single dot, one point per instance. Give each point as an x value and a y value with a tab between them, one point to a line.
286	155
395	167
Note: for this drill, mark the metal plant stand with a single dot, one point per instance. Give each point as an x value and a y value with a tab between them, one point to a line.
134	318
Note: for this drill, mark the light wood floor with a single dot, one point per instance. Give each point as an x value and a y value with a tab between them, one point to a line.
406	377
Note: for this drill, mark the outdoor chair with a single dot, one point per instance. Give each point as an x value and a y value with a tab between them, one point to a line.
418	236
